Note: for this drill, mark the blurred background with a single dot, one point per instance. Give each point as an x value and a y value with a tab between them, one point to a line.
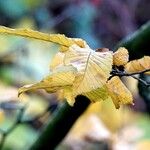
102	23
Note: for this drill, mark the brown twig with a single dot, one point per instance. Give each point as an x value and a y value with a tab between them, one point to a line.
116	72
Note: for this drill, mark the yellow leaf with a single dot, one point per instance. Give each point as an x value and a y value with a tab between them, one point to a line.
78	71
93	68
55	38
60	78
118	92
120	57
138	65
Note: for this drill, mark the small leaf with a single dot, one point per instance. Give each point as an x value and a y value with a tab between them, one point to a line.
120	57
61	77
138	65
118	92
55	38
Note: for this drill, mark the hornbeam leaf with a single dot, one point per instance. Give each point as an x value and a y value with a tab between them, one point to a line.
118	92
60	78
138	65
78	71
55	38
93	68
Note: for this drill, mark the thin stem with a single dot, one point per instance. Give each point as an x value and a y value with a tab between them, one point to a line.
142	81
119	73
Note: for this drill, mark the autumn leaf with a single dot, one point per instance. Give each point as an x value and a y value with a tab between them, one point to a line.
120	57
138	65
61	77
93	67
55	38
118	92
79	71
93	71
